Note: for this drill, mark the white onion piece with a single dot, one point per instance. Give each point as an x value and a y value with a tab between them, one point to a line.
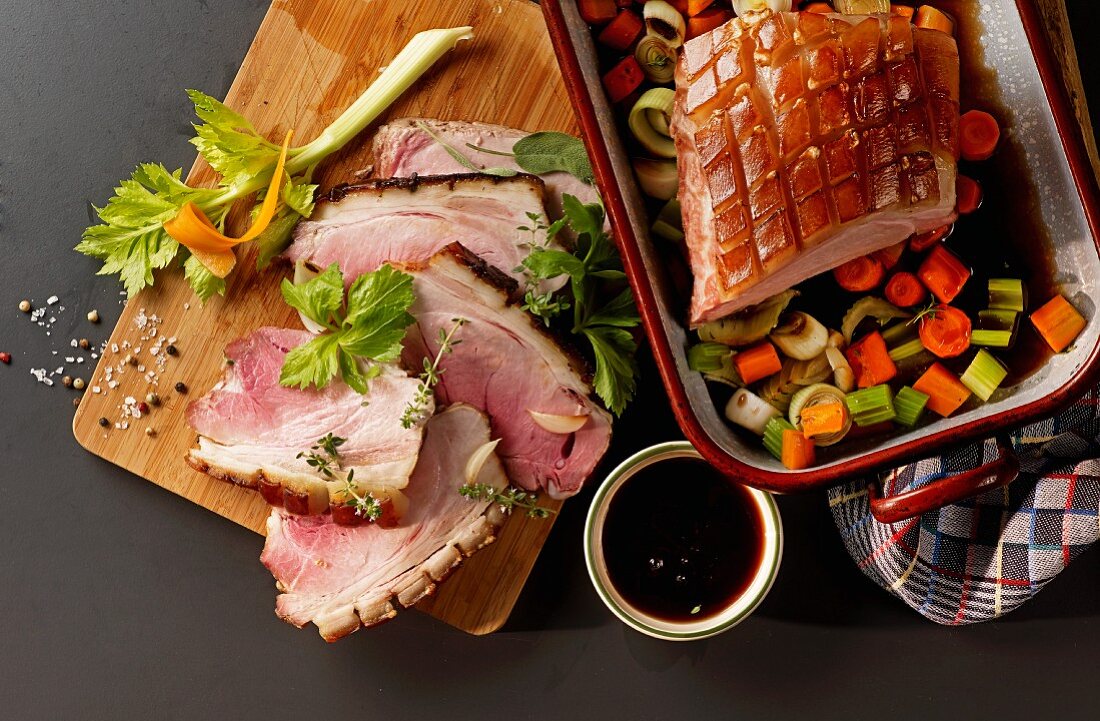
741	7
750	411
843	375
303	274
800	336
477	460
558	424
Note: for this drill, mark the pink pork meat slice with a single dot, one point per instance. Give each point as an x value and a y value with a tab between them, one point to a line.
361	227
807	140
509	366
251	429
341	577
402	149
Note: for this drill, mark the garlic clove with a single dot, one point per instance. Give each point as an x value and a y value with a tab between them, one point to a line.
303	273
477	461
558	423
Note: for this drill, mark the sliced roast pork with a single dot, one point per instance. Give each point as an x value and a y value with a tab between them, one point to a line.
251	429
410	219
403	149
507	365
340	577
806	140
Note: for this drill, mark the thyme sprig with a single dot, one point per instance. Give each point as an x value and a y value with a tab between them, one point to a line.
507	499
417	409
366	505
323	455
927	312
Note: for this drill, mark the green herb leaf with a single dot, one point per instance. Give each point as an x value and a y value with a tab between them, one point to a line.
321	298
229	142
313	363
462	159
202	281
615	365
549	152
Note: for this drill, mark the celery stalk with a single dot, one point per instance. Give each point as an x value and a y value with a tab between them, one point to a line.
773	435
984	375
908	349
1006	294
869	406
708	357
909	404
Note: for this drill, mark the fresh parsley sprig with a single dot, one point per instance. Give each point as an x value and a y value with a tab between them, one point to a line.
370	324
603	309
507	499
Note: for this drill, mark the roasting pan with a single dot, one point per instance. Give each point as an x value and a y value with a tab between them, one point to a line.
1050	185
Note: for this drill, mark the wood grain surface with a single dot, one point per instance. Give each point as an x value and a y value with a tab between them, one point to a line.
310	59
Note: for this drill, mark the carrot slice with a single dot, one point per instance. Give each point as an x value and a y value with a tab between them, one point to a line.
933	19
597	12
979	134
757	362
822	419
905	290
823	8
905	11
706	21
921	242
890	256
798	451
859	275
968	195
621	32
1059	323
697	6
870	361
945	391
623	79
943	273
945	331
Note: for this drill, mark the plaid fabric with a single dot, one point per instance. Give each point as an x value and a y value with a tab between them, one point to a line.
979	559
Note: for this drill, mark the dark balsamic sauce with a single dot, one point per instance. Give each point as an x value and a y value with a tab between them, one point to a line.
681	541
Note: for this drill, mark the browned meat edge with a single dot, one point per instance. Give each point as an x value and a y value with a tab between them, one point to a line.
413	182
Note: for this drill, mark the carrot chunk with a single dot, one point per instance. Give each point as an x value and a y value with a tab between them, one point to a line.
870	361
933	19
859	275
822	419
921	242
1059	323
905	11
798	451
905	290
890	256
623	79
597	12
943	273
823	8
695	7
968	195
757	362
706	21
979	134
945	391
945	331
621	32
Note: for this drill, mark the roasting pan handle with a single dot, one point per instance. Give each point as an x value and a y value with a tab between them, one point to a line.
945	491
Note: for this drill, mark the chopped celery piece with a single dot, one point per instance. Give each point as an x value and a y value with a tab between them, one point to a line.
909	405
869	406
708	357
998	319
991	338
984	375
1006	294
669	224
899	333
908	349
773	435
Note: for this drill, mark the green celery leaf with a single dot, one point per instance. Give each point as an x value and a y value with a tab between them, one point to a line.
299	196
386	290
229	142
620	312
202	281
349	371
614	349
377	334
321	298
313	363
546	263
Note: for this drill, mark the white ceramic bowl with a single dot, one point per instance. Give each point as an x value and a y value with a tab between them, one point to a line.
745	604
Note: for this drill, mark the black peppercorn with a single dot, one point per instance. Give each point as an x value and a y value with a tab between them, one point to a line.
104	422
171	350
181	387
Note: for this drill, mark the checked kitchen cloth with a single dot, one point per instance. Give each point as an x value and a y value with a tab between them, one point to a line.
981	558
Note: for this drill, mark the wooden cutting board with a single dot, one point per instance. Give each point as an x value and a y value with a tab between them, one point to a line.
308	62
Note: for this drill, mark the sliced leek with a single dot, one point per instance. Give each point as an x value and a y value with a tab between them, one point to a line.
657	59
819	394
750	411
744	7
984	375
750	325
862	7
664	21
843	375
800	336
649	120
658	178
869	307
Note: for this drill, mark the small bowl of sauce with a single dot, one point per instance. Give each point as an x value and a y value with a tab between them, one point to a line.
678	551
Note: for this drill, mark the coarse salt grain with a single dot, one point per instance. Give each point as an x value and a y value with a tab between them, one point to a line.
51	300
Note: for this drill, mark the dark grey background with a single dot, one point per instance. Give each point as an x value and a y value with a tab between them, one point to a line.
120	600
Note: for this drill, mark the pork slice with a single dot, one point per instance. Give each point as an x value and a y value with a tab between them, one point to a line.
805	141
251	428
341	577
506	364
403	149
361	227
